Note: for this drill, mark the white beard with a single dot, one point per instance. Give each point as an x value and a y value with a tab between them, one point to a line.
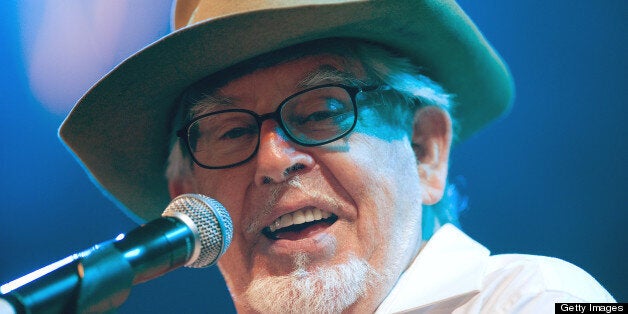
322	290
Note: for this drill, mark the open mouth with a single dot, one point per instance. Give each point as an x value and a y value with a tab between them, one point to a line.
299	224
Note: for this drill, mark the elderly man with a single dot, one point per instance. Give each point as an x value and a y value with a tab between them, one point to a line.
325	130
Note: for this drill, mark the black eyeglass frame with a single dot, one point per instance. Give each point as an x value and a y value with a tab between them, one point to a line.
353	91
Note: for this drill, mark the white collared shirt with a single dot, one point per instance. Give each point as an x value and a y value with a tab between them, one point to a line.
455	274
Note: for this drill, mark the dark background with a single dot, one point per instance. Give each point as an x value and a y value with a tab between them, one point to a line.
549	179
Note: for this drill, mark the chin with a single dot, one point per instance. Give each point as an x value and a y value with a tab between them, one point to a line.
314	289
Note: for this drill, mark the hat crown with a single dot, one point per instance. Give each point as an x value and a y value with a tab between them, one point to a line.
189	12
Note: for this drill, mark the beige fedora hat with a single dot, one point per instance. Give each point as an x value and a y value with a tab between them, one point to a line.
120	130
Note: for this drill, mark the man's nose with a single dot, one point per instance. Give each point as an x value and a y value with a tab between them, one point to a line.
278	158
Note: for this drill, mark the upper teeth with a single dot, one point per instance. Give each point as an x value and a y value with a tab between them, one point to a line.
298	217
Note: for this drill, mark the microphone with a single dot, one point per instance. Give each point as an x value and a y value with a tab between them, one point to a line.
194	231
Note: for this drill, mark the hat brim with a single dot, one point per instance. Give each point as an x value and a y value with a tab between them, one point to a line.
120	129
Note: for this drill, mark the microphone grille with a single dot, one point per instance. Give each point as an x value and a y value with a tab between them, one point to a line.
212	222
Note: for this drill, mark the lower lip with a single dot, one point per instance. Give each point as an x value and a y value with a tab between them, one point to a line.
302	234
314	240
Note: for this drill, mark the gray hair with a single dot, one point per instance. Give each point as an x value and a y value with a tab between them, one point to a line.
412	90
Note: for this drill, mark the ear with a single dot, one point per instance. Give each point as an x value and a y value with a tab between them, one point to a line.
431	141
180	186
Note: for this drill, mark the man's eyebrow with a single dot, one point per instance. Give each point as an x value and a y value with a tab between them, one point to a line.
327	74
209	103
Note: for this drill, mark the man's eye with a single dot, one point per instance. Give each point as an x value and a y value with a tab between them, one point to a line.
328	110
320	116
237	133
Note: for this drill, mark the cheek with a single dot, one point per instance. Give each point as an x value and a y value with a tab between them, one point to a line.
226	186
382	179
384	169
229	187
392	203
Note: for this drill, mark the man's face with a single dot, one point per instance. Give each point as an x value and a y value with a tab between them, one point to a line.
367	183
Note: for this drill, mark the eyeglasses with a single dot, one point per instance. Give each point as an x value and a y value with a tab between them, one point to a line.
311	117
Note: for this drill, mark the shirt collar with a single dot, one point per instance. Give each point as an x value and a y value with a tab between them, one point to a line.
446	273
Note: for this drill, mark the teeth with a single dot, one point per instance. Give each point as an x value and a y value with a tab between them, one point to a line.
298	217
308	215
318	215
